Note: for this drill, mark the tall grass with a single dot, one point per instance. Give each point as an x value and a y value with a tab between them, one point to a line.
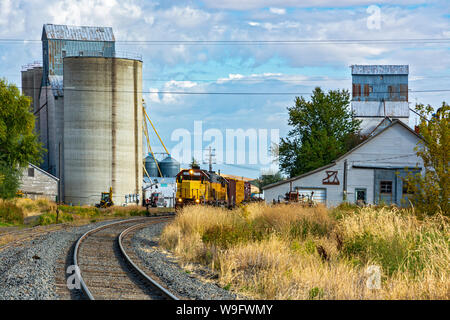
10	213
291	252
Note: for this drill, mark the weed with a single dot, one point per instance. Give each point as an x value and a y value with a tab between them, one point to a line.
315	292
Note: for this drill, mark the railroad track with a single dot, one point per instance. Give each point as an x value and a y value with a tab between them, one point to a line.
15	238
107	268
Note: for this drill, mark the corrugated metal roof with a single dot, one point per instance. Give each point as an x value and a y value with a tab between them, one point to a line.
56	82
394	109
380	69
81	33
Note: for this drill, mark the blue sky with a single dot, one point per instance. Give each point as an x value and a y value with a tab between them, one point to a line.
243	68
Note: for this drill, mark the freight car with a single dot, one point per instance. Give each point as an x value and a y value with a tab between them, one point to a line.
197	186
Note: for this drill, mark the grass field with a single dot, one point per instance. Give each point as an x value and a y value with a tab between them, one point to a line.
291	252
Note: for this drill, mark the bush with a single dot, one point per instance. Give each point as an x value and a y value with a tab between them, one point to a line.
50	218
85	212
9	181
304	228
228	236
10	213
368	248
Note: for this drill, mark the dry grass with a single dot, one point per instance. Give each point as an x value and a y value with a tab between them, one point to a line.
15	211
291	252
34	207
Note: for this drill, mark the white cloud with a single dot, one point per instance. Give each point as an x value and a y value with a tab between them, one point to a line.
277	11
154	95
256	4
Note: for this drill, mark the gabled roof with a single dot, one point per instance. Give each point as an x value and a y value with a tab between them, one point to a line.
395	122
383	124
80	33
43	171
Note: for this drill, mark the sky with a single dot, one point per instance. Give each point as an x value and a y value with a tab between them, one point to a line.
255	66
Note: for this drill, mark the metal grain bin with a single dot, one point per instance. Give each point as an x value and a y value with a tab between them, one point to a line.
150	166
169	167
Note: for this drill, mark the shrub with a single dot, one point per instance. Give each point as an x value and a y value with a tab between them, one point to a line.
228	236
50	218
304	228
10	213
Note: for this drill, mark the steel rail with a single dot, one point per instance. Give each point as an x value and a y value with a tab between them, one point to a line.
166	292
84	287
29	234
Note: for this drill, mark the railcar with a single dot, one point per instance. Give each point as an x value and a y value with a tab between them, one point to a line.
202	187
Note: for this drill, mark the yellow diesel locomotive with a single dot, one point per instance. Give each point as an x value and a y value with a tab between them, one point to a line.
198	186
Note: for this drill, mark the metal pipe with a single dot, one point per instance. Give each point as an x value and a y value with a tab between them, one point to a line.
145	112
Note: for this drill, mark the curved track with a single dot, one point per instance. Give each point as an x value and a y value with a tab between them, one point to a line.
106	270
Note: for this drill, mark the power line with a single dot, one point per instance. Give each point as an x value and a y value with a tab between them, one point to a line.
259	79
259	42
390	158
219	93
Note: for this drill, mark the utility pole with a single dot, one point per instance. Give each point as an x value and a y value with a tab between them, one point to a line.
210	157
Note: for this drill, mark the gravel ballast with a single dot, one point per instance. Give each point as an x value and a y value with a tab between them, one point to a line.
165	267
28	272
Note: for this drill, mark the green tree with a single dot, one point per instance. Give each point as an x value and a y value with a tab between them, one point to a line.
9	182
18	143
430	191
323	129
266	179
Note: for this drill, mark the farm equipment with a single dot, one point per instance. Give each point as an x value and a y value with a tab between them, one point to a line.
106	200
302	199
156	200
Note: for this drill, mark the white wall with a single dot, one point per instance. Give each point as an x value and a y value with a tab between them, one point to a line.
394	147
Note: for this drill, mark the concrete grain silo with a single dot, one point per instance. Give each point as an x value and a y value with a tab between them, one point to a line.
31	85
102	128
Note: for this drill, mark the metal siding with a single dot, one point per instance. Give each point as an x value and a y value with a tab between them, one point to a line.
393	109
91	41
231	192
380	87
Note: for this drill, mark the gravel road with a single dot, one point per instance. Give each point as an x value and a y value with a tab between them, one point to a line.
29	272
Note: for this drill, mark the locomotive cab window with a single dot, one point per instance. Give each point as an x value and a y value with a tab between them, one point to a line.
192	176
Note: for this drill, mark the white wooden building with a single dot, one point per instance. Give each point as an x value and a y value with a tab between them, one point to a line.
368	173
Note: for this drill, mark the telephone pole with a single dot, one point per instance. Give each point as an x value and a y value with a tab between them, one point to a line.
210	158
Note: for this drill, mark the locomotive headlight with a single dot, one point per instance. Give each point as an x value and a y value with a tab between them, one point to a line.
180	200
191	171
197	200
